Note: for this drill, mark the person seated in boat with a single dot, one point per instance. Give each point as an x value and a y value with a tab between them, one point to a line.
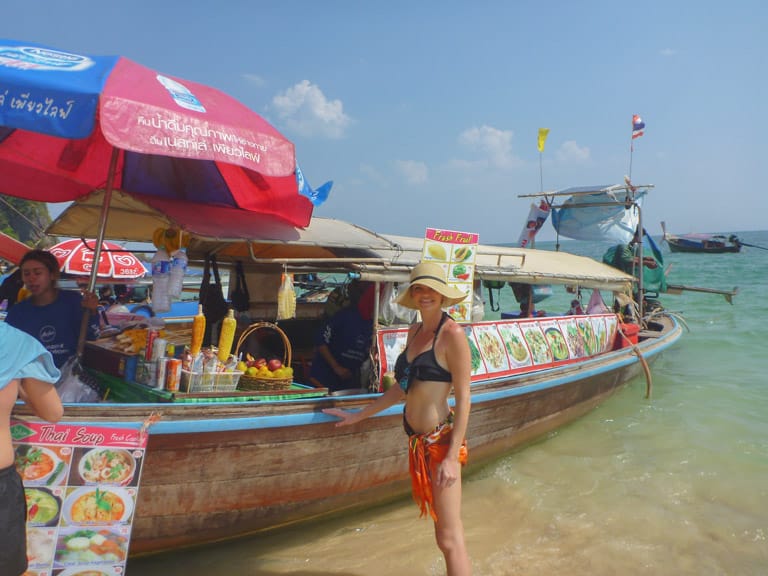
626	258
344	342
51	315
436	361
27	371
575	309
524	294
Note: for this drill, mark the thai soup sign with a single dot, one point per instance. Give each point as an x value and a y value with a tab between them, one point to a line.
81	484
455	252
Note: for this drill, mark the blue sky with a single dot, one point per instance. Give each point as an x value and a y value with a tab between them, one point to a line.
426	114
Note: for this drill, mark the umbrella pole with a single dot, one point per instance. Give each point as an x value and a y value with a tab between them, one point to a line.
97	248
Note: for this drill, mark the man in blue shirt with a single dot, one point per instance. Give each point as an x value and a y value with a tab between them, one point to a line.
51	315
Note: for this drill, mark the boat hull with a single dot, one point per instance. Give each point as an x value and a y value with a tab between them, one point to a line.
218	471
702	248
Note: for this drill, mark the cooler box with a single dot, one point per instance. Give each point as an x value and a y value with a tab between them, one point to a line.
627	335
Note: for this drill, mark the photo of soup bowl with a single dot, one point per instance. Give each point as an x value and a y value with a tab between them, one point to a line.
98	506
36	464
107	466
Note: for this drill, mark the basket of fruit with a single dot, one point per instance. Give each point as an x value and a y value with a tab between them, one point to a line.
264	373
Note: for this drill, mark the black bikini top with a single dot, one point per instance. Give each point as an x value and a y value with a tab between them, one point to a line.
424	367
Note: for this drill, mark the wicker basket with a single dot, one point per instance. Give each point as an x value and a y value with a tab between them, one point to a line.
255	382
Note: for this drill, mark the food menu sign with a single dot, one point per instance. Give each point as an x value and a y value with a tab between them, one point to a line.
508	347
81	484
455	252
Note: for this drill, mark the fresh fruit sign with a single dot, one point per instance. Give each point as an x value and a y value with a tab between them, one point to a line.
455	251
81	484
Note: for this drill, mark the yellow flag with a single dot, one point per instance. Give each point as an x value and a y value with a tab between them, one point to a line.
543	132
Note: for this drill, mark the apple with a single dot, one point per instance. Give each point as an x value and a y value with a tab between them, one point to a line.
387	381
259	362
252	371
241	366
274	364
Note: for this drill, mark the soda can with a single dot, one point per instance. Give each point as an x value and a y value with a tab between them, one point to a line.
162	373
158	348
173	375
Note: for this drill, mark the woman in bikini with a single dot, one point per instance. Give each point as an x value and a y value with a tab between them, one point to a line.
436	361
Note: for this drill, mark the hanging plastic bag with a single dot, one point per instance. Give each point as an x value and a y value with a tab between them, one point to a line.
286	298
402	314
77	385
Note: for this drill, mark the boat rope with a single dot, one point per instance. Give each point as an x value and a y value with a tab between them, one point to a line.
151	419
661	312
646	369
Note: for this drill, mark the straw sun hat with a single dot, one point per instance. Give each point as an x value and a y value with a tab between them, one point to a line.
431	275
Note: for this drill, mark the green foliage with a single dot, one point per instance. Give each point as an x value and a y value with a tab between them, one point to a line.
23	219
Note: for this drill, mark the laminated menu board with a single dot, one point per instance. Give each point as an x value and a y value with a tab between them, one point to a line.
456	253
81	483
506	347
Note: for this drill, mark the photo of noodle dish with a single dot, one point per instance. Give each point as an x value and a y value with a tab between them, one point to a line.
90	546
540	351
491	348
36	464
107	466
513	341
574	339
98	505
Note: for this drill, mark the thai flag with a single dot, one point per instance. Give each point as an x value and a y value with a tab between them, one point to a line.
637	126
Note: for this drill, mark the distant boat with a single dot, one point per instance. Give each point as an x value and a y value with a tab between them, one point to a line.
702	243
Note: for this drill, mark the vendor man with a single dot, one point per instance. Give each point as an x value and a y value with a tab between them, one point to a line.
344	342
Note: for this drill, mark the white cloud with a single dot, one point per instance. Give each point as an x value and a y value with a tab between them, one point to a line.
668	52
305	109
571	152
413	171
254	79
493	144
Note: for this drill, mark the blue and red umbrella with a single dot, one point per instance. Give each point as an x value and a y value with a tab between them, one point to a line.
73	123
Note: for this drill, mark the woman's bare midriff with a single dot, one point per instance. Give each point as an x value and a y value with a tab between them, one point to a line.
7	402
427	405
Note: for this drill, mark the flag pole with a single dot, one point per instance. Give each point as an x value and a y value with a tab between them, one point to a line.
543	133
541	173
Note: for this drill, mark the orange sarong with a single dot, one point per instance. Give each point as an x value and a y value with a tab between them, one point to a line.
426	451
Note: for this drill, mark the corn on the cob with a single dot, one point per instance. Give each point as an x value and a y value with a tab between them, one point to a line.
227	335
198	331
158	238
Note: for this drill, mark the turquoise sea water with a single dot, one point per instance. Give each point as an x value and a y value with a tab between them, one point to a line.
677	484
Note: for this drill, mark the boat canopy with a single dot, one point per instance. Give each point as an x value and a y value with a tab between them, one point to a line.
326	245
229	233
598	213
507	263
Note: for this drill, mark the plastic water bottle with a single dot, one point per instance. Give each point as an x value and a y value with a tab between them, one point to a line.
179	262
161	277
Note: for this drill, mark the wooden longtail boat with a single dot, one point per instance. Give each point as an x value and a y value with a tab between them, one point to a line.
216	470
702	243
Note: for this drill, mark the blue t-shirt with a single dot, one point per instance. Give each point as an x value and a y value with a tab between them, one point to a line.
21	356
348	337
56	325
